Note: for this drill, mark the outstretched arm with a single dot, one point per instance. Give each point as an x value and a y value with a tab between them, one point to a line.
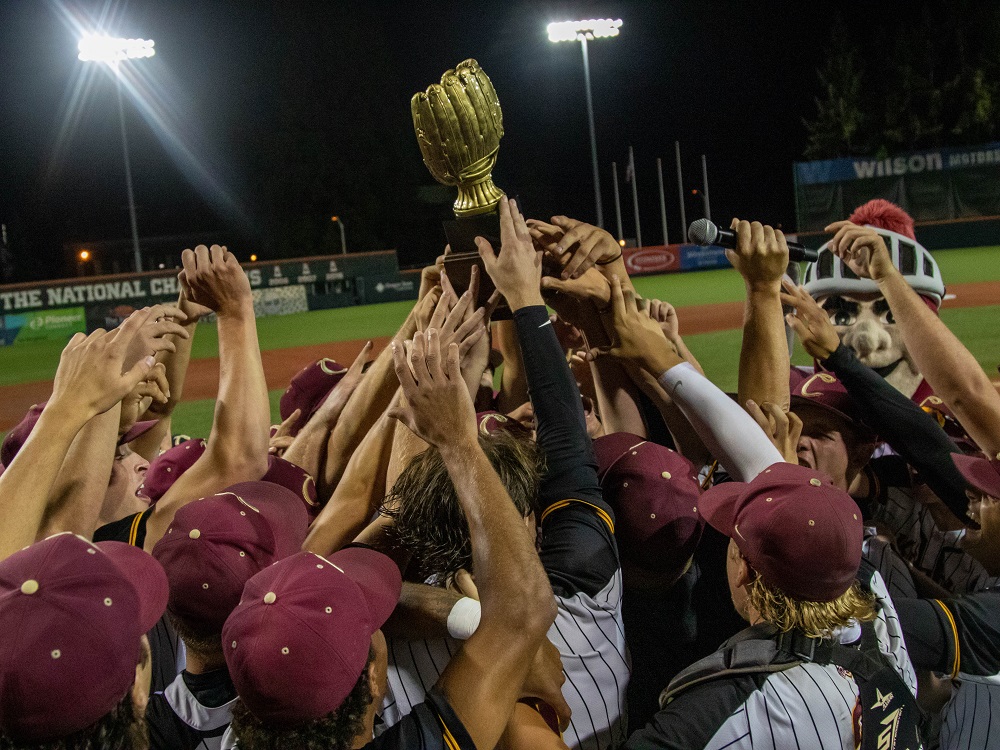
941	358
484	679
236	449
90	380
761	257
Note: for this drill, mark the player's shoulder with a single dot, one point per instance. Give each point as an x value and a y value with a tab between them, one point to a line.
432	725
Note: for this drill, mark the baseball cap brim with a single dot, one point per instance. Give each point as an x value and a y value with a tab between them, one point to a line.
138	430
146	576
979	472
717	506
375	574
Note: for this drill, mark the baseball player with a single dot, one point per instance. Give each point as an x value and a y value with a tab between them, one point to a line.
577	546
305	649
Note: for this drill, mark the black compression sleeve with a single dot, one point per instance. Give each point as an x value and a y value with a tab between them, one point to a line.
911	432
560	424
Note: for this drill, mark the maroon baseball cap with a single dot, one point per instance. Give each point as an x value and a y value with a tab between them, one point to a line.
299	639
216	544
825	391
798	531
654	495
168	466
72	614
980	472
295	478
309	389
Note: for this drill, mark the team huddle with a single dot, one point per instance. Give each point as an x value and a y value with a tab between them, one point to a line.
540	529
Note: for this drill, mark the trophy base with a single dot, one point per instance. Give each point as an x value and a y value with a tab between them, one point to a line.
461	234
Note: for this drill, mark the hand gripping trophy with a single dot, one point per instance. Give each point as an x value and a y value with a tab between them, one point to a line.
459	125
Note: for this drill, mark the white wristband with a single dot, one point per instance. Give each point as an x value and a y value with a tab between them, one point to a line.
464	618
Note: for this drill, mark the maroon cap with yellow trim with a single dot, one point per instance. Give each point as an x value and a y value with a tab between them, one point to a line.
654	494
299	639
309	389
799	532
72	615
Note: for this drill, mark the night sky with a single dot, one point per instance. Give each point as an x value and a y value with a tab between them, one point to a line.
262	119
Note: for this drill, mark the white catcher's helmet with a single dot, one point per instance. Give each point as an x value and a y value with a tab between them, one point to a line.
830	275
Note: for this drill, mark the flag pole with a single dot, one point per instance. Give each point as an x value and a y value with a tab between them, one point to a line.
635	198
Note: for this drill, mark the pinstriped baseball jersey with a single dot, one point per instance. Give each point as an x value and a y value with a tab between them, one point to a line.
590	638
807	707
969	720
580	557
186	718
892	568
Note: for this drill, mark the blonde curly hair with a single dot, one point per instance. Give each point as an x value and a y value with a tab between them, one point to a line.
815	619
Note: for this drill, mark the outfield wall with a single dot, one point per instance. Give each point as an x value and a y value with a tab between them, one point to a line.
58	309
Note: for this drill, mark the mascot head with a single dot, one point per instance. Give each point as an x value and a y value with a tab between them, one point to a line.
856	307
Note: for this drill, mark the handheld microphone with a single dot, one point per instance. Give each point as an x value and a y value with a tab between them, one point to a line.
705	232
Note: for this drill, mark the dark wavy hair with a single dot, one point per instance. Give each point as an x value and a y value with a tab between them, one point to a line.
120	729
427	518
335	731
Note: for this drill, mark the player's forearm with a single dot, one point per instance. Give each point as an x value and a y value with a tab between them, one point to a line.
560	424
948	366
513	384
763	375
239	440
728	431
686	439
79	490
421	612
363	409
616	398
514	590
26	485
357	496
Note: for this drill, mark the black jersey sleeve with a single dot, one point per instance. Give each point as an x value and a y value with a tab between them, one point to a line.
130	530
955	635
578	548
911	432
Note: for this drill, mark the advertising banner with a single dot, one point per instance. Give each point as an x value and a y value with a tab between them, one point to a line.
915	162
652	259
46	324
698	257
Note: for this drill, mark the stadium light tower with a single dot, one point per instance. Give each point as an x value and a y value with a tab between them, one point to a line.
114	51
583	31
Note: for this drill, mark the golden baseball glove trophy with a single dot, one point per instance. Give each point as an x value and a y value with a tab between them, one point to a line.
459	126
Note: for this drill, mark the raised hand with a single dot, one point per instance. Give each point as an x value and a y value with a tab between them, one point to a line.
153	388
809	321
761	254
664	314
517	271
583	246
213	278
639	338
159	324
91	377
439	408
862	249
331	409
782	428
281	436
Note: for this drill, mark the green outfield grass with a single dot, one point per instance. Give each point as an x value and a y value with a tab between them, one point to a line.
718	352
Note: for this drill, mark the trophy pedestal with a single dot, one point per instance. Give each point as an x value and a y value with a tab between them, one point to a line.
461	234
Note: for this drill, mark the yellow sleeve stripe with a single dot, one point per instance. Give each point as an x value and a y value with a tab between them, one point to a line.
449	739
954	629
601	513
134	529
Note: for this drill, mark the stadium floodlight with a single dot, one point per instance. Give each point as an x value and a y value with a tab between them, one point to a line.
581	31
572	31
115	50
109	49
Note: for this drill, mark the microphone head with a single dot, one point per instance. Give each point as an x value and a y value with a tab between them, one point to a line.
703	232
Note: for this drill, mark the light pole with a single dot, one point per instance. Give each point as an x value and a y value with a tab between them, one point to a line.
582	31
112	50
343	241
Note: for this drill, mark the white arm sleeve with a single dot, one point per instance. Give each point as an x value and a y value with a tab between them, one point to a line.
727	430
